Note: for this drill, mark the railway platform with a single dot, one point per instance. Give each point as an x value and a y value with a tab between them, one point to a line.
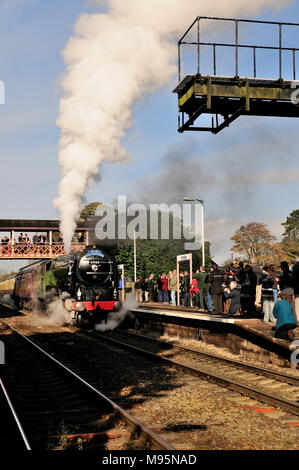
248	337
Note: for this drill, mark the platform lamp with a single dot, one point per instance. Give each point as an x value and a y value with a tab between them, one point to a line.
193	199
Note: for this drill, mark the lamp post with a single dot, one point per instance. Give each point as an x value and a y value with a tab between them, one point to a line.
202	224
135	264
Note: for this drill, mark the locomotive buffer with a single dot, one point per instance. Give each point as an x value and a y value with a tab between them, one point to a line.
232	95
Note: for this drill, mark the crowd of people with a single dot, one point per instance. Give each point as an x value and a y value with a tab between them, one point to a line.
38	239
247	290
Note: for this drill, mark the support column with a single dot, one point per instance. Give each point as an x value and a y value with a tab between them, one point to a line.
50	241
12	241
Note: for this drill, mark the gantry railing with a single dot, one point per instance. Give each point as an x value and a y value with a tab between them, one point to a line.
37	251
278	47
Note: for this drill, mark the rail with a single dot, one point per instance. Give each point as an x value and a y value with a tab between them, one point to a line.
15	416
157	442
219	377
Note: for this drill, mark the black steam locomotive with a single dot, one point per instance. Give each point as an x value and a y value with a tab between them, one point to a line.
86	282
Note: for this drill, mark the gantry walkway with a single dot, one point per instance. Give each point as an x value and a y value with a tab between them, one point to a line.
241	87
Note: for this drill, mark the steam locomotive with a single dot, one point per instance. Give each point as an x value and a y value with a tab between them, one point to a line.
85	282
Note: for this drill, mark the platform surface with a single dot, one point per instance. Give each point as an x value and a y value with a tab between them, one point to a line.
254	325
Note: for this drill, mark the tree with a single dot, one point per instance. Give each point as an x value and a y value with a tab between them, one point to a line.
253	240
276	254
156	256
89	210
290	239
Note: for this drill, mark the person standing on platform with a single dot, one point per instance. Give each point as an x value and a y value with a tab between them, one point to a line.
186	284
274	274
248	289
139	287
151	287
164	280
228	278
194	293
267	283
172	285
209	295
285	279
160	291
203	287
216	278
258	272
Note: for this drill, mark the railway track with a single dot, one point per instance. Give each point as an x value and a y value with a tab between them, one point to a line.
12	434
187	412
267	386
58	409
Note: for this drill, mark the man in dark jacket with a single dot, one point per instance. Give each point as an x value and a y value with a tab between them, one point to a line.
285	279
203	287
151	287
248	289
185	286
233	293
216	278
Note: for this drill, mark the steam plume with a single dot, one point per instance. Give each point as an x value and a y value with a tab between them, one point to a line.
112	60
116	318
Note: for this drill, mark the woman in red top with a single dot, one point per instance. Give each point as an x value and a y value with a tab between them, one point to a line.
164	280
194	292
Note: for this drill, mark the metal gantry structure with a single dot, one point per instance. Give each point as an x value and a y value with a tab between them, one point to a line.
233	95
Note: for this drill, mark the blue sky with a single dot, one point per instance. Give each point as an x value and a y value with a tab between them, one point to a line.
32	36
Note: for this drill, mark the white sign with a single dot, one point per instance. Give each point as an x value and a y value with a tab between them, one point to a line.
184	257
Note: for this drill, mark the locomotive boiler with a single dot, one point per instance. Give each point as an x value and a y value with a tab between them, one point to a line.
85	282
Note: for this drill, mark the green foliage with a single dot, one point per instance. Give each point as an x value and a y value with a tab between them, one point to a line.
155	256
290	241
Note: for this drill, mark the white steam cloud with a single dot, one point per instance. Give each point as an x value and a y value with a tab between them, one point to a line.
6	299
116	318
56	313
113	59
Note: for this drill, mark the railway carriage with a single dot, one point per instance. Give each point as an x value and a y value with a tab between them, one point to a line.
85	282
7	285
